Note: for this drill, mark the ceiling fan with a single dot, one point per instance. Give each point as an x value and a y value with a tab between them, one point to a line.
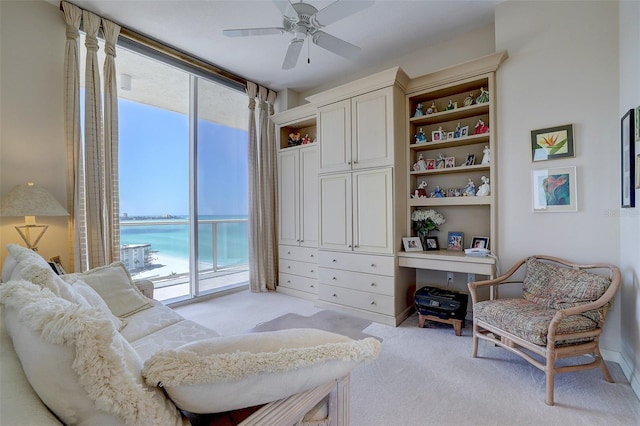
302	20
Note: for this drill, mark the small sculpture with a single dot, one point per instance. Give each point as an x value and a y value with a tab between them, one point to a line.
418	112
470	189
483	96
468	100
420	165
480	128
484	189
421	192
486	158
420	137
432	109
306	140
440	161
457	132
450	105
438	193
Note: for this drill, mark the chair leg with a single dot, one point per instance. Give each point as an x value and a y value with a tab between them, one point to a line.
474	353
550	377
603	366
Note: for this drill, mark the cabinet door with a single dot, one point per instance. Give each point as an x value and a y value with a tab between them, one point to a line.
309	197
372	129
335	212
334	122
288	190
373	211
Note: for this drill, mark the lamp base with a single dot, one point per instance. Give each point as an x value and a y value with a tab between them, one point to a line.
25	233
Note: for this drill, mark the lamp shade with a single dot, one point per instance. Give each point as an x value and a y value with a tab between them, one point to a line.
30	200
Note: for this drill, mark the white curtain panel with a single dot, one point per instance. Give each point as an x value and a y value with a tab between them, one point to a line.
111	207
72	17
256	281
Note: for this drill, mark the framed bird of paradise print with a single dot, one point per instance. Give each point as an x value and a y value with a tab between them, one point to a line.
552	143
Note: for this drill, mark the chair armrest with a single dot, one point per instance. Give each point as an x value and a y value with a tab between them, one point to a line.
145	287
502	279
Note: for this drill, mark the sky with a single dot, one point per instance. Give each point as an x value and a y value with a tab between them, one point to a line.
154	164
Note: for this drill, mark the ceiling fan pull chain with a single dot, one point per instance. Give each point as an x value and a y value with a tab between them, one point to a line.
308	48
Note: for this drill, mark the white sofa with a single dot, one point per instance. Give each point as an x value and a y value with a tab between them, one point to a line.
91	348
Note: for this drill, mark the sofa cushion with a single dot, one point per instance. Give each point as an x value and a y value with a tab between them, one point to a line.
559	287
529	321
113	283
81	368
227	373
94	300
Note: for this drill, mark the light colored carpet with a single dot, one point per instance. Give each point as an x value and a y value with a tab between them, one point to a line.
336	322
428	377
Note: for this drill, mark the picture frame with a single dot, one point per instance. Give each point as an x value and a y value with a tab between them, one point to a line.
431	243
451	135
554	190
449	162
480	242
412	243
471	159
436	135
552	143
431	163
637	125
455	241
638	171
627	169
56	265
464	131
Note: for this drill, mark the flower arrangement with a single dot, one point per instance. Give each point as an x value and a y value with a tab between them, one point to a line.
425	221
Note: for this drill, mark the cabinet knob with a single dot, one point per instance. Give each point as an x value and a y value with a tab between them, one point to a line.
355	162
288	252
288	267
311	270
311	256
335	295
311	285
373	265
334	260
289	281
372	284
373	303
349	162
302	241
349	246
356	246
334	278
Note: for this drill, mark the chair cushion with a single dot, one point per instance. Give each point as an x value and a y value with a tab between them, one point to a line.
529	321
559	287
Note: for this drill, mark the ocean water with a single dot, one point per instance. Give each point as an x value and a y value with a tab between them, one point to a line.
173	239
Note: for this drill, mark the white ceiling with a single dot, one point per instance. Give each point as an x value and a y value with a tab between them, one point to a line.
384	31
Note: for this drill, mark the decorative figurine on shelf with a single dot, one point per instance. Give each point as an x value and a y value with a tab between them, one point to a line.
420	137
486	158
420	165
480	128
432	109
457	133
470	189
440	161
484	189
483	96
306	140
450	105
421	192
438	193
468	100
294	139
418	112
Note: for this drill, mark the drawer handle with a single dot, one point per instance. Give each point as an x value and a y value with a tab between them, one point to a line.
334	278
311	270
289	281
373	265
334	260
288	267
372	284
335	295
311	255
311	285
373	303
288	252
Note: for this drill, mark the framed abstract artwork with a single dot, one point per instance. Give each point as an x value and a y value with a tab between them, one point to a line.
555	190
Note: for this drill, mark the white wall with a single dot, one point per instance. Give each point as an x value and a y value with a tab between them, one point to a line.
630	218
32	147
562	69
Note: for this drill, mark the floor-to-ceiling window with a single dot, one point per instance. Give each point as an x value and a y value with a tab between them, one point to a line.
183	177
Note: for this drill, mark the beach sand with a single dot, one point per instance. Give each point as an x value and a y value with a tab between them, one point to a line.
163	266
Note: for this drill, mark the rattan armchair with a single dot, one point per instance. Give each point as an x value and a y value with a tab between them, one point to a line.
560	315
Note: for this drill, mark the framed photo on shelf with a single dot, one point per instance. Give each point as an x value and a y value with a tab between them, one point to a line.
431	163
554	190
455	241
480	242
449	162
431	243
471	158
627	136
464	131
450	135
412	244
552	143
436	135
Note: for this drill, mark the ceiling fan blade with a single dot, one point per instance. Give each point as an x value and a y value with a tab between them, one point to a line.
287	10
335	45
293	53
243	32
338	10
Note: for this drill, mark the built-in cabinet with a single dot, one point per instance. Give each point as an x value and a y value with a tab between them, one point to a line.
362	215
297	201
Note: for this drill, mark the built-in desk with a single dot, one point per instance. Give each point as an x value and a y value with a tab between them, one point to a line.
450	261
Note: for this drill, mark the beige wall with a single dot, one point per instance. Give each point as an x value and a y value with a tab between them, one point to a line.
32	148
629	14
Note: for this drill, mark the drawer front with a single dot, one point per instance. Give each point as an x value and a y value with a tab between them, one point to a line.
378	303
370	264
296	282
380	284
295	267
303	254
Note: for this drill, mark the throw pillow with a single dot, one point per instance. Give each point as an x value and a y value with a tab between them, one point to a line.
94	300
228	373
113	283
81	368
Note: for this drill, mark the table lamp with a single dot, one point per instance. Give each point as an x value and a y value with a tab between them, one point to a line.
31	201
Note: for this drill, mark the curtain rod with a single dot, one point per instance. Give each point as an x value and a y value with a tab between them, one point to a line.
176	53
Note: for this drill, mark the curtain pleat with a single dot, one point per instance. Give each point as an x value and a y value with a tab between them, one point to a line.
111	198
72	17
255	277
